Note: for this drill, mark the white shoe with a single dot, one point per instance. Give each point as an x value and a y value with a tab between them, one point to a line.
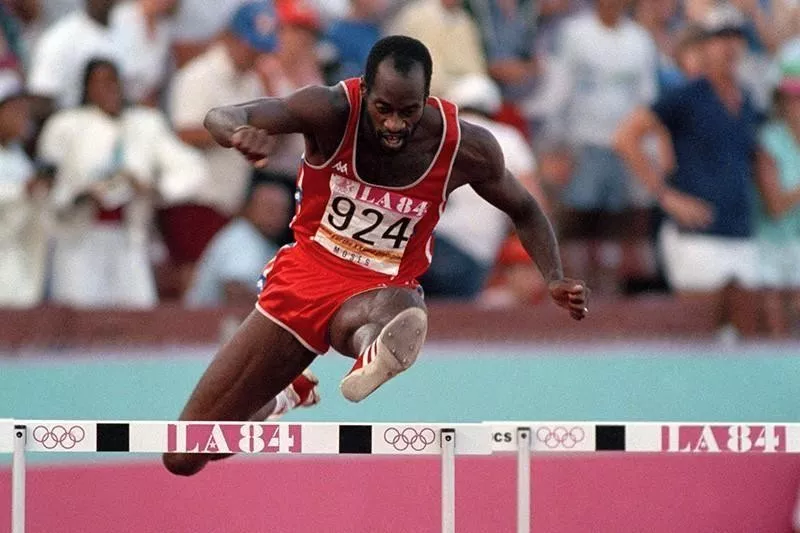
395	350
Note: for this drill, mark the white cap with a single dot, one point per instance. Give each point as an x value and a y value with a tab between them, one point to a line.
10	85
723	19
477	92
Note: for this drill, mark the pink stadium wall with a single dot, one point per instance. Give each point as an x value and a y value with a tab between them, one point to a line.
601	494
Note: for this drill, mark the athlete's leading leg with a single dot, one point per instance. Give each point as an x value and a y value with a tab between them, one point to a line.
259	362
384	330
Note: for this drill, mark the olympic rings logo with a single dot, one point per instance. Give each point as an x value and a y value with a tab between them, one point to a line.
409	438
560	437
58	436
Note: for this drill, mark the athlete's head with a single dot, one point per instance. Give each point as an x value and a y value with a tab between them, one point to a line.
395	86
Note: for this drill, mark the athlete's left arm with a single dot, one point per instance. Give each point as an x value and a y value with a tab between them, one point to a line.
482	161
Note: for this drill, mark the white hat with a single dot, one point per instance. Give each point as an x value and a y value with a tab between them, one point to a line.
477	92
723	20
10	86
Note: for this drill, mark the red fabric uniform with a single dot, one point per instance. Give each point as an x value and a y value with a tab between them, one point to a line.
353	236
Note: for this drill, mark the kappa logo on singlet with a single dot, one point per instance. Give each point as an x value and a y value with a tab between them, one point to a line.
368	225
340	166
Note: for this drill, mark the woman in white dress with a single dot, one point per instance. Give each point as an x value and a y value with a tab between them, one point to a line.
111	163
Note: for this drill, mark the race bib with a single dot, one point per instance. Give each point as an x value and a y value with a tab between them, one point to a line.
368	225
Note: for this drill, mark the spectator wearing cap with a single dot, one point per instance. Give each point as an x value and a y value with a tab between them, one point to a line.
229	267
222	75
142	30
688	57
706	132
299	30
295	64
778	213
470	231
23	204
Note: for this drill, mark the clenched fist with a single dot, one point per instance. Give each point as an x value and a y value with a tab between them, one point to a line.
253	143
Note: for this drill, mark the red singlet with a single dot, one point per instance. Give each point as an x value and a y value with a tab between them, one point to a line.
353	236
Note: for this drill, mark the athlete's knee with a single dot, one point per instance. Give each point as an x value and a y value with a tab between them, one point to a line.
184	464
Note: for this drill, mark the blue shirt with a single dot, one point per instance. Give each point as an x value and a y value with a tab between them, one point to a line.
715	153
237	253
352	40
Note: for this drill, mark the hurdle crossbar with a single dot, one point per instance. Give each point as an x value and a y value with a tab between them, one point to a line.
309	438
18	437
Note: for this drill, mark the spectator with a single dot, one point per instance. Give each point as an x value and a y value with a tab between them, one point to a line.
23	193
62	52
658	18
470	231
235	257
299	28
452	37
294	65
142	31
508	28
778	216
706	133
222	75
688	56
610	68
107	157
351	38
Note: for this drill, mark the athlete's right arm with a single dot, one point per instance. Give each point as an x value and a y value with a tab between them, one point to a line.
247	126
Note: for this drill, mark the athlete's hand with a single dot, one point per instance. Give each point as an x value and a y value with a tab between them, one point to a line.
572	295
253	143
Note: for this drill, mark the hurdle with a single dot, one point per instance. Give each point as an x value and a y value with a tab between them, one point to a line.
524	438
528	437
310	438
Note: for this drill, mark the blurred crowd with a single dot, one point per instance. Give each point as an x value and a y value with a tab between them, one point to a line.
662	137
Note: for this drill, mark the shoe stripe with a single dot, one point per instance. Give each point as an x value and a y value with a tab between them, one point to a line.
370	354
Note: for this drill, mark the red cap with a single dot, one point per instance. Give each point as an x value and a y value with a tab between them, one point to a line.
298	13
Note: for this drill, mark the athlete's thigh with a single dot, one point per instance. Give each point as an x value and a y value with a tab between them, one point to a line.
376	307
259	361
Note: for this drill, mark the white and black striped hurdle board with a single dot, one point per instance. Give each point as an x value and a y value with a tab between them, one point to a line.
243	437
650	437
392	438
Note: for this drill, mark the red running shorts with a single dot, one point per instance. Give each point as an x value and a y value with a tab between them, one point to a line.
302	296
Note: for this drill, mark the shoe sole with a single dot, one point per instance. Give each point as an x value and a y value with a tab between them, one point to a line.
399	344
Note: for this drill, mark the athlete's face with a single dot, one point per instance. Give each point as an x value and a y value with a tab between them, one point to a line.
394	104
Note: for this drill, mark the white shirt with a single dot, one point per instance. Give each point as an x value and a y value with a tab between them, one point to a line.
145	57
469	221
62	53
81	143
211	80
609	72
23	239
15	171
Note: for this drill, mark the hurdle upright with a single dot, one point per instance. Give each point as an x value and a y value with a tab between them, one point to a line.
404	439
